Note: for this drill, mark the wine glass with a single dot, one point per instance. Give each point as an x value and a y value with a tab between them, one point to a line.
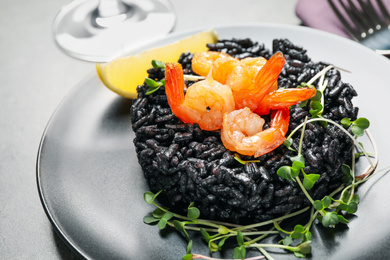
100	30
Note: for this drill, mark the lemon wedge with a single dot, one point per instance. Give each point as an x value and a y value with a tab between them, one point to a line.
123	75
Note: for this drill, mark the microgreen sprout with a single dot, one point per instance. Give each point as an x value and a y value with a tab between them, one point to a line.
317	103
215	233
153	85
358	126
288	143
238	159
158	64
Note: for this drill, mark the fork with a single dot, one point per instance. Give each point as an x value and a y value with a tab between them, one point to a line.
367	25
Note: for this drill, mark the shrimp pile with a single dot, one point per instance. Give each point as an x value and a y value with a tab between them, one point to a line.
232	98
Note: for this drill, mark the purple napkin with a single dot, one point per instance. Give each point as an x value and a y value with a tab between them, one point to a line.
318	14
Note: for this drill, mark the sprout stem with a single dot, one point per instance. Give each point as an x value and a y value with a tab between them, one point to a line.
193	77
268	222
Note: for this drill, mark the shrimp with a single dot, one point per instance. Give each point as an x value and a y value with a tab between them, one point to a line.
242	131
283	98
232	73
203	61
248	85
253	64
205	102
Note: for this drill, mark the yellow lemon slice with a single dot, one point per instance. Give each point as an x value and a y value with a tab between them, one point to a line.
123	75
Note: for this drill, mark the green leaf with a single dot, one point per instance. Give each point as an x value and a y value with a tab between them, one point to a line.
348	174
299	229
205	235
342	206
304	248
167	215
323	123
288	143
355	198
346	122
318	205
158	64
189	247
299	254
223	230
297	166
193	213
187	257
158	213
342	219
180	226
346	196
239	252
213	247
162	223
352	208
309	180
316	108
149	196
307	236
222	242
357	130
151	90
285	172
149	219
298	161
295	171
317	97
303	103
152	83
330	219
362	122
240	238
346	169
326	201
298	232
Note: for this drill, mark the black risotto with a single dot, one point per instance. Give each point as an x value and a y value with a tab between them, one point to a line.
192	165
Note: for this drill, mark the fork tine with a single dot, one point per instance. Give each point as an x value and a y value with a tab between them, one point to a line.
374	18
347	26
363	16
384	11
356	17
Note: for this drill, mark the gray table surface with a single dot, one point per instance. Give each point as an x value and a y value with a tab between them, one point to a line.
35	76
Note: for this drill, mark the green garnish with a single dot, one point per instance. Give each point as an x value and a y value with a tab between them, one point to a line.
158	64
238	159
153	85
358	126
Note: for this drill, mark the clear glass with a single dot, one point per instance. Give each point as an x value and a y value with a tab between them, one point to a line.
100	30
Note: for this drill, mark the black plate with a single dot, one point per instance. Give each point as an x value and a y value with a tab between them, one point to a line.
91	185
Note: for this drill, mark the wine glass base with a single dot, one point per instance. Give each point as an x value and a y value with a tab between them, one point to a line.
80	32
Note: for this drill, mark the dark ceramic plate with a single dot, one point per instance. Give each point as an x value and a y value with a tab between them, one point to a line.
91	185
